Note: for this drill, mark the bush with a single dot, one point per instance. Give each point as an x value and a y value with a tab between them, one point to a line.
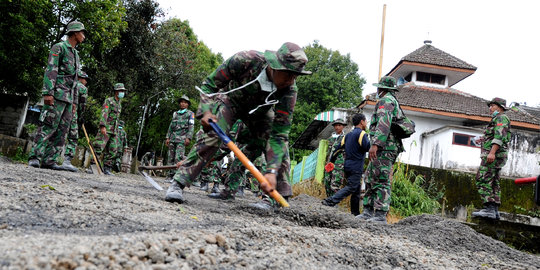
409	196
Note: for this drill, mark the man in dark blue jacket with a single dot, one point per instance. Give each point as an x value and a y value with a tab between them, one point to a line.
356	144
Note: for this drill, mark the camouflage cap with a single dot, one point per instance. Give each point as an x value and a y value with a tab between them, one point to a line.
289	57
184	97
75	26
499	101
339	121
82	74
387	82
119	87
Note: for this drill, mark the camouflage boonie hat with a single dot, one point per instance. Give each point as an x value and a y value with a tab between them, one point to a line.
75	26
339	121
387	82
184	97
82	74
289	57
499	101
119	87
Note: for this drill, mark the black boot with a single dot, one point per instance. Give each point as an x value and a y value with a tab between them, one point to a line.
68	166
240	192
107	170
490	211
223	195
215	188
379	217
367	214
34	163
204	186
328	202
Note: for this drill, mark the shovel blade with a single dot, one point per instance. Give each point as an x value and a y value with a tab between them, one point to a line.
151	181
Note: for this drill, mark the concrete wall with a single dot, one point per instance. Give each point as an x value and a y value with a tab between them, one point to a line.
12	114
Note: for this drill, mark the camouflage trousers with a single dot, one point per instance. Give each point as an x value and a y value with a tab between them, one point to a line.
108	145
53	125
378	186
72	136
335	180
258	126
211	173
488	180
175	154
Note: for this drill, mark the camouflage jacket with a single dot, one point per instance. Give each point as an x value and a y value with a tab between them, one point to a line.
59	77
497	132
334	146
238	70
181	126
386	110
110	115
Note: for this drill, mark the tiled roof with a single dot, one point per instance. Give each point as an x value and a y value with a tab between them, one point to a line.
451	100
428	54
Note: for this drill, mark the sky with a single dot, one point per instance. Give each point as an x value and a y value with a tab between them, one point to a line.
500	38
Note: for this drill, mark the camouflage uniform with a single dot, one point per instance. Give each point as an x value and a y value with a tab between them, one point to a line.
147	159
335	179
110	116
121	141
79	101
487	178
54	120
181	127
269	126
378	186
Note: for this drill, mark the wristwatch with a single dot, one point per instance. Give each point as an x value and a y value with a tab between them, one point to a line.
274	171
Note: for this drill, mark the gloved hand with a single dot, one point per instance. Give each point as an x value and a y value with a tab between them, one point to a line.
329	167
80	120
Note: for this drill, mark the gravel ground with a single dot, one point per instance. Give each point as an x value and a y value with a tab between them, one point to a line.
63	220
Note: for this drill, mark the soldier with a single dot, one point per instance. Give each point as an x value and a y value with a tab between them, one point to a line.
121	141
258	88
148	159
334	179
79	101
108	128
493	155
385	148
180	132
355	144
58	90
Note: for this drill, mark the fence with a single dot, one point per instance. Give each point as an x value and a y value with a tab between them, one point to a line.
312	166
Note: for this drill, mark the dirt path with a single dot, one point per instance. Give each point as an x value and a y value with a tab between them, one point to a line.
121	222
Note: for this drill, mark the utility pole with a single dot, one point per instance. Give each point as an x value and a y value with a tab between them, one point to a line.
382	42
142	123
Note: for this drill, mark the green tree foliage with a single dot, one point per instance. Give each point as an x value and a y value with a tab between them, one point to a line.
30	27
335	82
24	36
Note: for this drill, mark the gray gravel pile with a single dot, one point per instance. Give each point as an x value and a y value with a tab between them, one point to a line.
63	220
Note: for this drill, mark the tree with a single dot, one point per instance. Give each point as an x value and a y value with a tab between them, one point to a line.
29	29
335	82
23	45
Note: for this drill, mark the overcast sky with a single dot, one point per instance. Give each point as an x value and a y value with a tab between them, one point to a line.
500	38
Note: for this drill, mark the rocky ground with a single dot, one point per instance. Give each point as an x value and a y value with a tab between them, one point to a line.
63	220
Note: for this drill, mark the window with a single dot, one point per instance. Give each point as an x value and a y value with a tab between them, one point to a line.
430	77
464	139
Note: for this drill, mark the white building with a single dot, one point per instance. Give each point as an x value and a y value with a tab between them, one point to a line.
446	119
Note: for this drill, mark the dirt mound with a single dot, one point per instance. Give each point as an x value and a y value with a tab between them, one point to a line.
52	219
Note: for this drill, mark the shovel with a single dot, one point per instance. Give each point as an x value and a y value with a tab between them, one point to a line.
264	184
151	168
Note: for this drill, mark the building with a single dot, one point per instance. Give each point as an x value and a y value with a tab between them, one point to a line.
446	118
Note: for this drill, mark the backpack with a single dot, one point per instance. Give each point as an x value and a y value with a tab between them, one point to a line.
402	128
